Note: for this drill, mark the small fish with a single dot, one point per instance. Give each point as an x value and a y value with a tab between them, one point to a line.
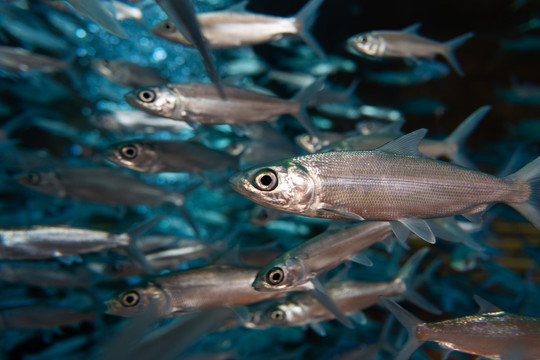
200	103
44	275
19	59
182	292
406	44
492	333
319	255
234	28
94	10
183	16
42	316
127	73
350	296
451	147
393	183
133	121
155	156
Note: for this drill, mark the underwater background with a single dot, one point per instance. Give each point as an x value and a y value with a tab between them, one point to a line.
51	119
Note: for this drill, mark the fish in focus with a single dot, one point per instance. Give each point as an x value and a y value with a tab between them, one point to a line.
393	183
492	333
168	156
405	44
235	27
200	103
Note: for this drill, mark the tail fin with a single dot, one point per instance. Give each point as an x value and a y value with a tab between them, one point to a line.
410	322
450	46
406	274
303	97
530	209
461	133
304	20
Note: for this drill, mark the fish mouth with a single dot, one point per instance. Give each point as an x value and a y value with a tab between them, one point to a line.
239	184
130	98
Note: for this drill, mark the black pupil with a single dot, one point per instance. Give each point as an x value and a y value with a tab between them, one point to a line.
168	26
129	151
276	276
266	180
130	299
146	95
277	315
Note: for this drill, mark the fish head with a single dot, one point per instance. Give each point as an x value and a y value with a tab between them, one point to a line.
157	100
138	300
285	185
134	155
366	44
45	182
286	314
168	31
280	274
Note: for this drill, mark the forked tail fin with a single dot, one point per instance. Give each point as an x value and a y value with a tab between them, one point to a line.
304	21
530	208
450	47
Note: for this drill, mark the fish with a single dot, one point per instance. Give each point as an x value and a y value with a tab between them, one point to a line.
492	333
42	316
393	183
94	10
405	44
18	59
200	103
235	27
450	147
183	292
182	15
127	73
44	275
133	121
154	156
320	254
350	296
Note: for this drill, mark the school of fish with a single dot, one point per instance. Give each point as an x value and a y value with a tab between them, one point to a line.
269	180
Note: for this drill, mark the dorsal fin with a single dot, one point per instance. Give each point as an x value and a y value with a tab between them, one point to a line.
485	306
412	29
239	7
406	144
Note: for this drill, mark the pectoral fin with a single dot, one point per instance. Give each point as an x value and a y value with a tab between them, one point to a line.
361	259
342	213
419	227
322	296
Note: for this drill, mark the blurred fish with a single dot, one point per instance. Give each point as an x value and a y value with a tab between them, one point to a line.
94	10
391	183
127	73
182	15
44	275
405	44
182	292
18	59
42	316
124	11
133	121
422	72
233	28
491	333
200	103
451	147
169	156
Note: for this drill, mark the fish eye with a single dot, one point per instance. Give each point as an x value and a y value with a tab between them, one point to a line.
147	96
275	276
277	315
168	26
33	178
129	151
265	180
130	299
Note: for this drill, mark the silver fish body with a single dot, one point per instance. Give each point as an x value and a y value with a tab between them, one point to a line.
182	292
19	59
127	73
384	184
132	121
201	103
168	156
319	255
49	242
41	316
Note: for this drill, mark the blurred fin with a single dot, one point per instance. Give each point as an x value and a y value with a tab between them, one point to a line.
530	209
303	97
304	20
361	259
321	295
485	306
94	10
450	47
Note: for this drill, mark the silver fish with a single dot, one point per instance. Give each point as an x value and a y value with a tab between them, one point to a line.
393	183
199	102
19	59
234	28
492	333
168	156
451	147
405	44
41	316
132	121
94	10
319	255
182	292
127	73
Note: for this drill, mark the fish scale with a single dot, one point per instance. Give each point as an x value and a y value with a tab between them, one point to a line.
384	186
